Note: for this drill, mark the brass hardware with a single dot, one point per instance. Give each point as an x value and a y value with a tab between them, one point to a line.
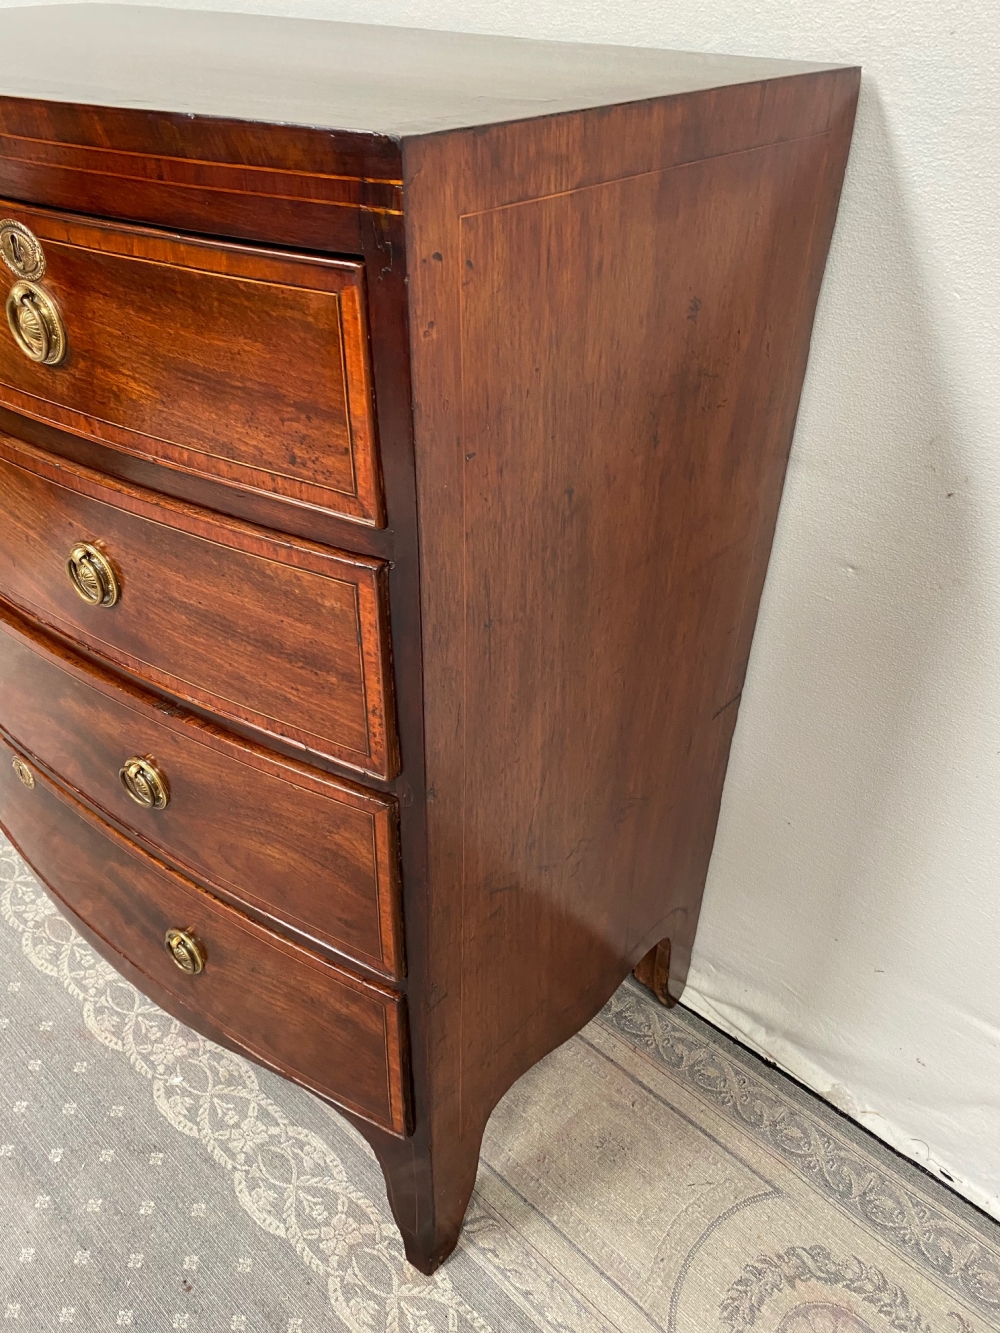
32	314
144	783
23	771
93	575
185	950
36	324
21	251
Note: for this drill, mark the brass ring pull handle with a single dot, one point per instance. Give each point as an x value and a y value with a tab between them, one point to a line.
36	324
92	575
144	783
185	950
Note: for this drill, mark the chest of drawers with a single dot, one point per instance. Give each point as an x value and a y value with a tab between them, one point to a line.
392	430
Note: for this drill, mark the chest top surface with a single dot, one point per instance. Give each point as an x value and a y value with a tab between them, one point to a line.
396	82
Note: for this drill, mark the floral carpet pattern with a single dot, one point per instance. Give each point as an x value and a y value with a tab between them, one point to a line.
649	1176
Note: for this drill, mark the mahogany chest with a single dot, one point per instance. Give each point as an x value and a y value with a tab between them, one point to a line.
392	429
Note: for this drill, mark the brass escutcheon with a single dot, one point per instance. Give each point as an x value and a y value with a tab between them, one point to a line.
21	250
23	771
36	324
92	575
144	783
185	950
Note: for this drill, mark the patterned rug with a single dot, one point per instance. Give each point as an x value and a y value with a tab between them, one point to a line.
648	1177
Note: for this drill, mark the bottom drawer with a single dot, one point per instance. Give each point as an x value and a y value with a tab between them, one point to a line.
338	1034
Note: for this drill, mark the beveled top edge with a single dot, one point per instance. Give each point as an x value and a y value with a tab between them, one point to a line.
360	78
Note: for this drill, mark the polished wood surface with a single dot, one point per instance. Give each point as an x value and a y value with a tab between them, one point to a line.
266	994
219	614
152	319
588	332
218	177
306	851
393	82
599	470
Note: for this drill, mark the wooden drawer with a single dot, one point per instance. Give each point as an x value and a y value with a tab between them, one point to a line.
297	845
243	365
340	1035
283	636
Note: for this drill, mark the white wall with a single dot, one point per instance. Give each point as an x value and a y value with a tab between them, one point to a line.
852	924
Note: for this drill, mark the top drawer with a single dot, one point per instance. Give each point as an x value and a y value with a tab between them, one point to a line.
242	365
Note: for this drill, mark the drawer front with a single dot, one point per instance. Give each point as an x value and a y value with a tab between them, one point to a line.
243	365
297	845
283	636
341	1036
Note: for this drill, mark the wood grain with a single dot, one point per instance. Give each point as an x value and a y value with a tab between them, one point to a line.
265	509
588	336
221	615
153	321
396	82
347	1037
220	177
610	316
305	851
